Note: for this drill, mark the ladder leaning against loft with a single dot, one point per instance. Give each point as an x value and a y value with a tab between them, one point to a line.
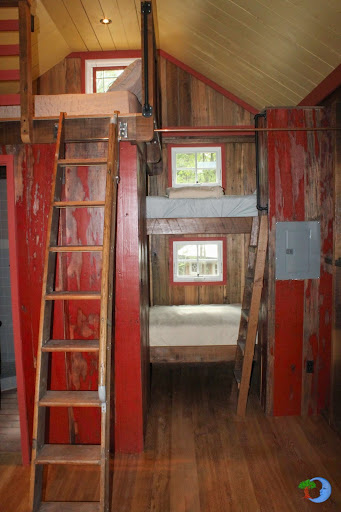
254	278
98	455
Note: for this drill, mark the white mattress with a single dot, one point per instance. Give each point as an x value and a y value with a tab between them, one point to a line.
159	207
212	324
78	104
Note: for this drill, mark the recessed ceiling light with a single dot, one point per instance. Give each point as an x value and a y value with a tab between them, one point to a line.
105	21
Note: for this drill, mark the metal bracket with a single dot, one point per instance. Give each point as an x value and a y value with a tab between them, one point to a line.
147	110
146	7
123	130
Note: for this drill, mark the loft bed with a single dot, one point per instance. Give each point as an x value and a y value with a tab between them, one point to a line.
33	118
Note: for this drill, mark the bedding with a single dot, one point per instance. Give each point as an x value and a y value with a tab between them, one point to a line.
204	324
78	104
176	192
159	207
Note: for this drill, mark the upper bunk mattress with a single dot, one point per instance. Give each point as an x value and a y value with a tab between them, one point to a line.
159	207
204	324
79	104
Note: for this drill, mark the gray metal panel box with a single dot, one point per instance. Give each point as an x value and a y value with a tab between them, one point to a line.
298	247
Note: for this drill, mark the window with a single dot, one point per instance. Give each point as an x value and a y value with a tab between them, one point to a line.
196	166
91	65
197	260
104	77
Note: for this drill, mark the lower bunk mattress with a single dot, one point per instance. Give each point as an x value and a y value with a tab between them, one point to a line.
204	324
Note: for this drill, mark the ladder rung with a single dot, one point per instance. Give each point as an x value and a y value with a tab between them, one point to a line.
76	248
71	346
252	248
79	204
69	506
69	454
70	399
241	345
81	162
73	296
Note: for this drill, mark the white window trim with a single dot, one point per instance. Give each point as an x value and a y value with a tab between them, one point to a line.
191	278
196	149
90	64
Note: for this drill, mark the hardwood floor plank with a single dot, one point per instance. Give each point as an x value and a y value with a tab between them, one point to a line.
200	457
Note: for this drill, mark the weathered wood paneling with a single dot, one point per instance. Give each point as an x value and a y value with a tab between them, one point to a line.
63	78
298	319
165	293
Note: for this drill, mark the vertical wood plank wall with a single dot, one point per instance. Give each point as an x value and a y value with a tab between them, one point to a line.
187	101
300	174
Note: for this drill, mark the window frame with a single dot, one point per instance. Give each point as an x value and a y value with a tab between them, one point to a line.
196	148
103	68
202	281
90	64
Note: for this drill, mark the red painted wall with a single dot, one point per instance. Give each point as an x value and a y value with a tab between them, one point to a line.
33	170
300	188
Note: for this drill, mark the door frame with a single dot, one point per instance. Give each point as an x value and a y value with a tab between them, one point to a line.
8	162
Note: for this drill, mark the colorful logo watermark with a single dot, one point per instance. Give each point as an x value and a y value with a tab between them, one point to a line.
325	491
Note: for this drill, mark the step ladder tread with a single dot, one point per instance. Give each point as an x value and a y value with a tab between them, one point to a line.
71	346
69	454
70	399
76	248
78	204
73	162
69	506
73	295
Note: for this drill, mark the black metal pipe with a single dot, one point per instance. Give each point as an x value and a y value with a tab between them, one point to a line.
259	206
146	9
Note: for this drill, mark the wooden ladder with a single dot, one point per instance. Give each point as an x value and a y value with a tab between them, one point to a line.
250	309
98	455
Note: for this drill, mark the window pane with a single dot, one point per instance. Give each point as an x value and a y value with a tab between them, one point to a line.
185	176
207	157
188	252
106	77
185	160
207	176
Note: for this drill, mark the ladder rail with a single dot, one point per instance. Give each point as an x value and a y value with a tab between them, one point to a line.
106	313
245	346
46	312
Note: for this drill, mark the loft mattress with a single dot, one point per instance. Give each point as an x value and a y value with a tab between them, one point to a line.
204	324
159	207
78	104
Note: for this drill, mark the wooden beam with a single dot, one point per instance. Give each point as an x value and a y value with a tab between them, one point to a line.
221	225
195	354
25	71
324	89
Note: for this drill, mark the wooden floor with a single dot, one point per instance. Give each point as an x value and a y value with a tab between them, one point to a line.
9	423
200	457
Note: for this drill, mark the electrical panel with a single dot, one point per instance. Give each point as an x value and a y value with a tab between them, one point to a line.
298	248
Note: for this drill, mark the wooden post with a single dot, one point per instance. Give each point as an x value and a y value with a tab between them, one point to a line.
26	98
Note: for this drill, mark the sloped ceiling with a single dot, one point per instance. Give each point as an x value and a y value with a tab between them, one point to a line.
267	52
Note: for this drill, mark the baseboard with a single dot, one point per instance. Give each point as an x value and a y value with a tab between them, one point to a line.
196	354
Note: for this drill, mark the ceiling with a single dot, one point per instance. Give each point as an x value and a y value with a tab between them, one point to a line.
266	52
